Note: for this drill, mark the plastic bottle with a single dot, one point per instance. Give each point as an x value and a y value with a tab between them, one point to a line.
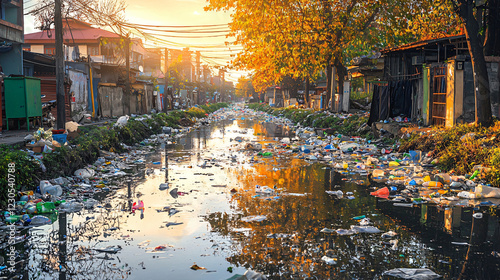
474	175
40	220
432	184
345	165
12	218
45	207
71	206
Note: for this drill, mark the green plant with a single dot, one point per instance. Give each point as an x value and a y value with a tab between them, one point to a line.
26	171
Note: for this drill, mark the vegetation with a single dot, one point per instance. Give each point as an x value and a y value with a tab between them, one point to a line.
353	125
459	149
85	148
302	38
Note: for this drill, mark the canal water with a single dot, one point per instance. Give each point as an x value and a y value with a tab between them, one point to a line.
213	223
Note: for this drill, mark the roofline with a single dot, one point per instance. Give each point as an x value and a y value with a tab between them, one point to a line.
421	43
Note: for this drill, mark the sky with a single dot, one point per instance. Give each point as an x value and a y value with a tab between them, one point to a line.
176	13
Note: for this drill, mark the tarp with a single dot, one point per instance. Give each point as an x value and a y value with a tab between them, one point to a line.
391	101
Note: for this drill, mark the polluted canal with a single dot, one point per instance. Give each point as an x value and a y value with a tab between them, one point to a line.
242	195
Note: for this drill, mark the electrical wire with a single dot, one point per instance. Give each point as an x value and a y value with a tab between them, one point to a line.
155	35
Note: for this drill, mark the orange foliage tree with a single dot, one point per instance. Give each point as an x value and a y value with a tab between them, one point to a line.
302	38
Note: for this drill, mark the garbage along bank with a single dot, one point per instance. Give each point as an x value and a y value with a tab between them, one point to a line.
236	202
325	122
460	150
56	160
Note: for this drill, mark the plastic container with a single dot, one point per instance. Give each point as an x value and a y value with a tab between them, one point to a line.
57	131
53	190
378	173
71	206
381	192
61	138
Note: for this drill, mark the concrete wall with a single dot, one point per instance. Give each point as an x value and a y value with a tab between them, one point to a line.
12	61
78	93
469	97
111	101
494	78
468	90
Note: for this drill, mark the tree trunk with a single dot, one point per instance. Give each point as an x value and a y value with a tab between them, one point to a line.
306	93
333	89
341	72
329	71
492	40
481	81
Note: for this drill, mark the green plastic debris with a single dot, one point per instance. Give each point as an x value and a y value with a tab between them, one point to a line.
45	207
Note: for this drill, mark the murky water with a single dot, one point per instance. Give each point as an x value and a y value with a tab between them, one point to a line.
205	222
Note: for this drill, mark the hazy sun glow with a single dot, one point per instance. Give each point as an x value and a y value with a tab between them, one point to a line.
213	46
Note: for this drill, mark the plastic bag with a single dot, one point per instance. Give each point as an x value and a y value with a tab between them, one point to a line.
412	273
122	121
84	173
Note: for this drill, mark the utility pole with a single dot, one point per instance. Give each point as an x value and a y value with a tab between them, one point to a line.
221	74
61	104
167	77
127	81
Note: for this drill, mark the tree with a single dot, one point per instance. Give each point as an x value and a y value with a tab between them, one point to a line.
301	38
102	13
244	88
475	19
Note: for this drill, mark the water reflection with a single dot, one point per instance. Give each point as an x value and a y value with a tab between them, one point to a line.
289	243
216	187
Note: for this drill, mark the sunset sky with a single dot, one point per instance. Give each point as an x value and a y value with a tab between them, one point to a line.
176	13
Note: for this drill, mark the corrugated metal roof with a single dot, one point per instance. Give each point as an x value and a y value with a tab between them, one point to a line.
79	33
422	43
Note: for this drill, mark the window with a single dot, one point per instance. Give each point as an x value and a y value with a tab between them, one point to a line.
107	51
50	51
93	50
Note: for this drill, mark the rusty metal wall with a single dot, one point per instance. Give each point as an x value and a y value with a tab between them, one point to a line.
48	88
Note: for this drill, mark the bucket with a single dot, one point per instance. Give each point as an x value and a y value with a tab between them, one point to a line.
61	138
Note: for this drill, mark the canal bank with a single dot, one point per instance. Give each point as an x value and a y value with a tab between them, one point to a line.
213	209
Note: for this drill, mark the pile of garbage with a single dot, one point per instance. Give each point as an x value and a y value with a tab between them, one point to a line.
75	193
411	178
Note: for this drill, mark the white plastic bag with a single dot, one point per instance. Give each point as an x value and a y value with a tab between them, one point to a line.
122	121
